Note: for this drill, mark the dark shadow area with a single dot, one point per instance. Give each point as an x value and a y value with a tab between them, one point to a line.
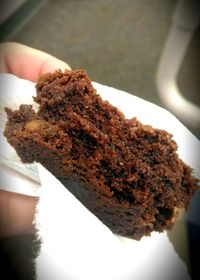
17	257
194	249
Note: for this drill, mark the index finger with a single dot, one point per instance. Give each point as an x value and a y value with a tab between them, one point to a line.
26	62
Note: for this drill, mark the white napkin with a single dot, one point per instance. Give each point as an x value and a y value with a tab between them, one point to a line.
75	244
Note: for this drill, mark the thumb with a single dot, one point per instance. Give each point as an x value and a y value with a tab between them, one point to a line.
51	64
27	63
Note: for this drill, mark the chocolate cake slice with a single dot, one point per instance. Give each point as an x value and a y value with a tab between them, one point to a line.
126	173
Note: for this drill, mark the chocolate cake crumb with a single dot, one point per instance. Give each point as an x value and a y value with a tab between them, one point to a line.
126	173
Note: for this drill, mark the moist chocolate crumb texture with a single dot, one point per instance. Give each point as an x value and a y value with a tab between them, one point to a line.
126	173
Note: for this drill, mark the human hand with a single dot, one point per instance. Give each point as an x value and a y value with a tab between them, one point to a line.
17	211
27	63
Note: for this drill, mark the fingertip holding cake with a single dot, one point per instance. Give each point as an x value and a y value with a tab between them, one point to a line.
126	173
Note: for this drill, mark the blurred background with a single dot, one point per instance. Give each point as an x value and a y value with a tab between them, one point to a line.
120	44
